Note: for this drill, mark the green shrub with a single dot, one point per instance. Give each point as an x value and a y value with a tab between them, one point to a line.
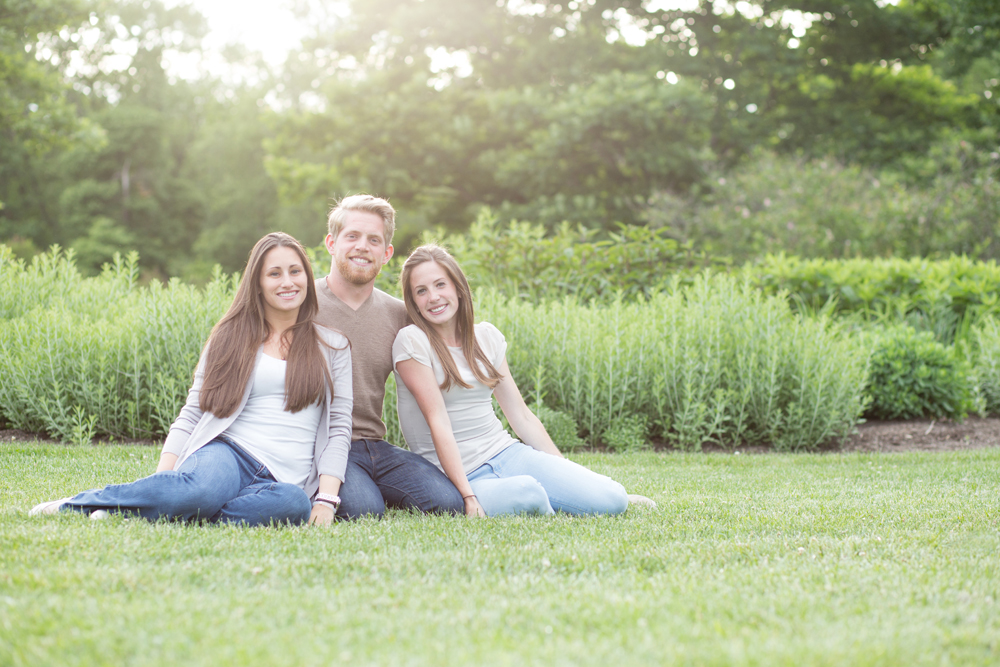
394	433
561	427
912	375
942	296
627	433
52	276
714	360
986	363
526	260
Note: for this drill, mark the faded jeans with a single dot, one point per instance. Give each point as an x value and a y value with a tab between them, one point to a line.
521	479
219	482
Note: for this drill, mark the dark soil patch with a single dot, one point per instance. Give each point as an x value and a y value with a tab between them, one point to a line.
915	435
924	435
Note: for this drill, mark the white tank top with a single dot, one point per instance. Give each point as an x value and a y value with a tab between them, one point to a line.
283	441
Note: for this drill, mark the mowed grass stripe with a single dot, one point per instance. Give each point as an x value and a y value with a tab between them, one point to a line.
776	559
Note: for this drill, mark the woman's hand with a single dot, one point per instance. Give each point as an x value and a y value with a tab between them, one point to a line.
167	462
321	515
473	510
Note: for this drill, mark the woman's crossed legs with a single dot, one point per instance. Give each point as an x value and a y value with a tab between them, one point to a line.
220	482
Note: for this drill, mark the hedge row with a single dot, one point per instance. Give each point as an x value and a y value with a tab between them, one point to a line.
709	359
715	361
82	357
945	297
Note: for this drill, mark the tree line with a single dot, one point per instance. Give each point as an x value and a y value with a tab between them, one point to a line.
595	112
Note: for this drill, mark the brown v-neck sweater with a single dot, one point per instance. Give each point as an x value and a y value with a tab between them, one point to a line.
371	328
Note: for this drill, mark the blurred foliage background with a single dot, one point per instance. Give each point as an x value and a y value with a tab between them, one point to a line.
820	128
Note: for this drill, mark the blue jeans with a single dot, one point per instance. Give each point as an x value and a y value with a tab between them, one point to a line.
220	482
521	479
381	475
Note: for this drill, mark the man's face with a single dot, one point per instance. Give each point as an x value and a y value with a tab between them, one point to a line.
360	250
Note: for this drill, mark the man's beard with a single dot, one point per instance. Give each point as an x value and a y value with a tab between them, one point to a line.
355	274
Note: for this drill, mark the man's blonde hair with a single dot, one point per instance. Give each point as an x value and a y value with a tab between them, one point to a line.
366	204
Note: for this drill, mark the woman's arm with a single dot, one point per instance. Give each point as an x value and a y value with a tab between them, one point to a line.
420	380
188	418
524	422
322	514
333	459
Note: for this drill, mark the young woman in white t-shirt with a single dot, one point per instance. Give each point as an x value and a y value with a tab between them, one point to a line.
446	409
264	435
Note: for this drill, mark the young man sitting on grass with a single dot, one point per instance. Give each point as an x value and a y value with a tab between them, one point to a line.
379	474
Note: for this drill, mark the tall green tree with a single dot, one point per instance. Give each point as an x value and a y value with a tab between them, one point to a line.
36	116
124	190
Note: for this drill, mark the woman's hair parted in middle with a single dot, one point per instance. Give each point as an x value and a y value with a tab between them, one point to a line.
235	340
484	371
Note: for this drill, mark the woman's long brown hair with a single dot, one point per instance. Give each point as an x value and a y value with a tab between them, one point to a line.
235	340
464	319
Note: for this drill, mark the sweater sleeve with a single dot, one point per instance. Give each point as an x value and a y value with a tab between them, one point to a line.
180	431
333	459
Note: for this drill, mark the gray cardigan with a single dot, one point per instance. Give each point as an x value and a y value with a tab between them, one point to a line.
194	429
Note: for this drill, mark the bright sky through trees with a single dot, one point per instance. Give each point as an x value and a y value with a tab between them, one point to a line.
271	28
265	26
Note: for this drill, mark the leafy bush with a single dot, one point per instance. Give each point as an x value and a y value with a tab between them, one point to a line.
937	296
25	285
711	361
525	260
627	433
561	427
823	208
394	433
986	359
714	361
912	375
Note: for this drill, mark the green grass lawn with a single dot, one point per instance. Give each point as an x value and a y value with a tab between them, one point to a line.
776	559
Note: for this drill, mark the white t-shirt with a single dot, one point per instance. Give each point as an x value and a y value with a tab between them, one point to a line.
281	440
479	433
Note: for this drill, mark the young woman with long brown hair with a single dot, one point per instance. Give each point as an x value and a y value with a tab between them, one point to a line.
447	371
264	435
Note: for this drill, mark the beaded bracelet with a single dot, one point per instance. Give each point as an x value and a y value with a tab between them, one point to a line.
328	499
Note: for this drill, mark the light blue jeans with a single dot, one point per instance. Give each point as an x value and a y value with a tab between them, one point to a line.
521	479
219	482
